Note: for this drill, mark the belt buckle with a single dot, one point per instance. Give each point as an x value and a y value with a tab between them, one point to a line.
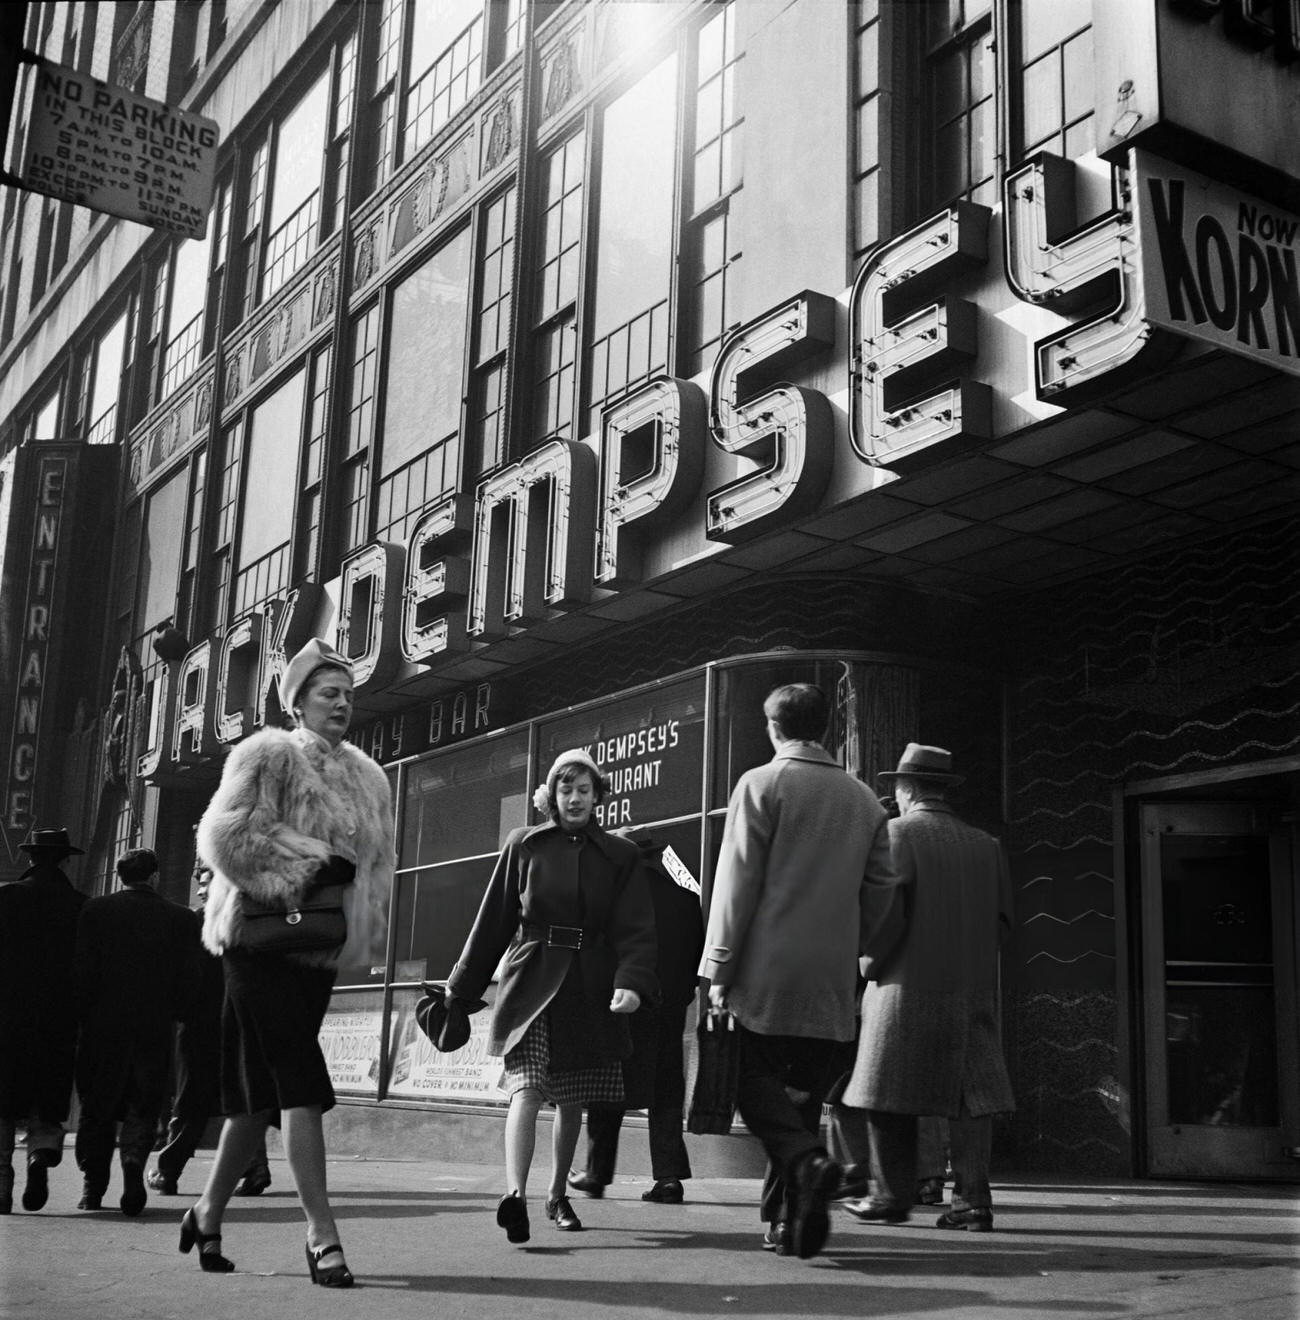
554	934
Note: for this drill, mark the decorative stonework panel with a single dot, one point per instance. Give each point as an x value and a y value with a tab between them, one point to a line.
176	427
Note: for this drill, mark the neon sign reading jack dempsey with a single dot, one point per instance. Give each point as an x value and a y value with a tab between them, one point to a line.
479	567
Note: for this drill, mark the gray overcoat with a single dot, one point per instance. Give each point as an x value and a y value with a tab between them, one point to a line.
804	842
929	1036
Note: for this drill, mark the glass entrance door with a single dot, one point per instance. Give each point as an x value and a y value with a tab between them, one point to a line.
1219	977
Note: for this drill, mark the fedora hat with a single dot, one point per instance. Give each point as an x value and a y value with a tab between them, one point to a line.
51	839
312	656
921	762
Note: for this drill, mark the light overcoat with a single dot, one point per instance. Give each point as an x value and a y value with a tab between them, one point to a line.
542	878
286	801
929	1038
804	844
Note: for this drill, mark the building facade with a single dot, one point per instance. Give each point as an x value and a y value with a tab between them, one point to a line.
585	369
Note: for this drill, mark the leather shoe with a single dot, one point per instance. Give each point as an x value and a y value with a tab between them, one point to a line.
818	1176
777	1238
667	1191
561	1212
92	1198
134	1197
867	1211
512	1215
37	1190
587	1183
253	1183
855	1183
973	1221
930	1192
159	1181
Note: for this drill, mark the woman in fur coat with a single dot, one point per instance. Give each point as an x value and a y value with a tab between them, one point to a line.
569	908
294	810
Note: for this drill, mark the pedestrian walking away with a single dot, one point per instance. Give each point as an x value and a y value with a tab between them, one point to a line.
38	1012
197	1056
297	815
136	972
568	909
929	1043
804	846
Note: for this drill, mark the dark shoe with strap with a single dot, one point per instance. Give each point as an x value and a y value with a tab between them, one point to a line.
254	1182
777	1238
868	1211
930	1192
817	1177
134	1197
588	1184
667	1191
37	1190
855	1183
512	1215
331	1276
160	1182
92	1196
211	1261
973	1221
561	1213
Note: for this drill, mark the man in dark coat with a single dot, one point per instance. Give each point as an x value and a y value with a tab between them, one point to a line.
136	971
198	1076
929	1041
38	1014
653	1075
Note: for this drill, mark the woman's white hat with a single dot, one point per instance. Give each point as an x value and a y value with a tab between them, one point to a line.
545	795
300	668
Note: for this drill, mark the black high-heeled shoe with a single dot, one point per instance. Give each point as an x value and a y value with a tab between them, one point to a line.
210	1258
337	1276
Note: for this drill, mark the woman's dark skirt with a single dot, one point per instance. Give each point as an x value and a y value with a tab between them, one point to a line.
270	1021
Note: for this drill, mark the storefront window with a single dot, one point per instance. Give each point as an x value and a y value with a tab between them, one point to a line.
350	1040
650	747
458	808
742	742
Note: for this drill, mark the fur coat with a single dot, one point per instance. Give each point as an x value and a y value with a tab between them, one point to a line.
286	801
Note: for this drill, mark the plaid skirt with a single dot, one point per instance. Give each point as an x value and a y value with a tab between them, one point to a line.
528	1067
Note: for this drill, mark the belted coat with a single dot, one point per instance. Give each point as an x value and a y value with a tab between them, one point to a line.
547	877
929	1040
38	1007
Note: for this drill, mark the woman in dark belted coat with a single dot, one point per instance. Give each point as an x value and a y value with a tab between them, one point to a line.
568	907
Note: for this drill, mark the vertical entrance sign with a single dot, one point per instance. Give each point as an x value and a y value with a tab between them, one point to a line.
112	150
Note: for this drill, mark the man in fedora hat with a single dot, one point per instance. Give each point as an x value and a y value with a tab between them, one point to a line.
929	1039
38	1013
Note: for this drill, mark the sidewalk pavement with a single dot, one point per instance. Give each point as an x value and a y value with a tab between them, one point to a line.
423	1242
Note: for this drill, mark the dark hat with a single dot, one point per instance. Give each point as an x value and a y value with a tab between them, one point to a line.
57	839
136	865
920	762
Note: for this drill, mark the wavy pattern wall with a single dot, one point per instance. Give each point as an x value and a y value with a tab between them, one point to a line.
1185	662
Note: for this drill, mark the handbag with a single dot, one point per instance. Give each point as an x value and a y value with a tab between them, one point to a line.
717	1077
317	924
445	1020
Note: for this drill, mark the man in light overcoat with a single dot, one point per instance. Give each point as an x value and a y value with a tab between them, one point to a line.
929	1039
804	843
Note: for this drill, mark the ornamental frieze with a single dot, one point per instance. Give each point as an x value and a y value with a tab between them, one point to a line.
170	431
